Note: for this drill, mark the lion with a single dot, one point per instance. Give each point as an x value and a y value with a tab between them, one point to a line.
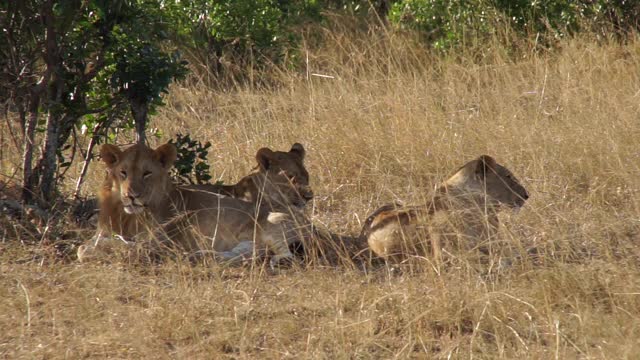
139	199
462	212
249	188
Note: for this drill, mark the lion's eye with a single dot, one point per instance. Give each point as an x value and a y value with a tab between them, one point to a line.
146	174
123	174
289	177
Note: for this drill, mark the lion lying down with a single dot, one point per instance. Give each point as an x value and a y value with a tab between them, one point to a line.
140	204
462	213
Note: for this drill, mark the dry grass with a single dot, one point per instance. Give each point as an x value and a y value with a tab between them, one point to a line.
390	123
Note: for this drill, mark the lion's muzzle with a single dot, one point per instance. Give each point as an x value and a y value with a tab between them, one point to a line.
132	205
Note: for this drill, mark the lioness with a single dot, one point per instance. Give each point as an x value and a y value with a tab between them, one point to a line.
138	198
250	187
462	212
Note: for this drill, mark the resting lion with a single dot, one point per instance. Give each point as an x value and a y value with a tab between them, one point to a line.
249	187
138	199
462	213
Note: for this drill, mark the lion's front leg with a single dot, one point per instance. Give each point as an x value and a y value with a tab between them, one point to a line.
274	235
243	252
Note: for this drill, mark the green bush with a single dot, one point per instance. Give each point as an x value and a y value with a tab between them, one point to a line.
444	22
447	23
563	17
239	32
191	166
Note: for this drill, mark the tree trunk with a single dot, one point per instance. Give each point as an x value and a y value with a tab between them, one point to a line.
66	126
139	111
54	90
27	153
49	158
382	9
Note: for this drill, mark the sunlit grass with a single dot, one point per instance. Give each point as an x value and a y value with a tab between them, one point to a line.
389	123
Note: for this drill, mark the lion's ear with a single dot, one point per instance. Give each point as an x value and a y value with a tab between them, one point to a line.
486	164
110	154
264	158
166	154
297	148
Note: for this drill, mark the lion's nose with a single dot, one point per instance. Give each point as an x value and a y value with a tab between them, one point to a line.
133	194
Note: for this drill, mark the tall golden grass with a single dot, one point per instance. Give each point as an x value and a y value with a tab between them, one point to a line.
384	120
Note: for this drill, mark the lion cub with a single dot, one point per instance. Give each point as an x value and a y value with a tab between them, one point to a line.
462	212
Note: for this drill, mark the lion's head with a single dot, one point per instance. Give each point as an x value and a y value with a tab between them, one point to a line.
485	175
286	180
139	174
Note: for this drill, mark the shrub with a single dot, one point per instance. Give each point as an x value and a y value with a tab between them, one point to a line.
191	166
447	23
234	34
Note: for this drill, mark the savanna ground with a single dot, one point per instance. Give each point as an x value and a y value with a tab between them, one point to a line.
389	123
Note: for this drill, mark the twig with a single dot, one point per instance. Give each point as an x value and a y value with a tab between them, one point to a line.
475	330
544	87
323	76
26	295
87	161
11	134
557	327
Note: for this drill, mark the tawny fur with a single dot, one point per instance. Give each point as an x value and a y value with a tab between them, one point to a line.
138	199
461	213
273	162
